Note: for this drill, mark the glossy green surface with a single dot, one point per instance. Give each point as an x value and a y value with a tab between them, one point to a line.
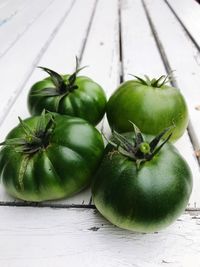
63	168
146	199
151	109
87	102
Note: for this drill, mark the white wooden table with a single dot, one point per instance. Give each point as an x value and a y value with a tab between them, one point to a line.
114	38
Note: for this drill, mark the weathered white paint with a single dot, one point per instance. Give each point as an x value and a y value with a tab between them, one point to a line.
148	61
23	57
102	50
183	57
189	13
4	3
60	56
12	31
140	53
9	9
99	69
81	237
101	53
185	147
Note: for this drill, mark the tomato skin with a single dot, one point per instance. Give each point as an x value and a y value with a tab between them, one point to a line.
146	199
151	109
87	102
63	168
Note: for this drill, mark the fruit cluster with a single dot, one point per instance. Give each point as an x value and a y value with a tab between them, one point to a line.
139	181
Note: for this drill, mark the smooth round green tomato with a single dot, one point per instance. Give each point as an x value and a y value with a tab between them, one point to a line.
151	106
145	198
44	160
79	97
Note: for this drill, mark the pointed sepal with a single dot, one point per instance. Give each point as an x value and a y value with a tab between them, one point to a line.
55	77
139	150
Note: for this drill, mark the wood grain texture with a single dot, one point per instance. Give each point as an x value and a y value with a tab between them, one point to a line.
23	57
12	31
101	52
81	237
149	61
188	12
182	56
140	54
60	55
95	31
104	65
9	9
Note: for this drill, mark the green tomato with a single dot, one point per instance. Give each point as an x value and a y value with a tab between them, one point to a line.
151	105
46	157
142	195
69	95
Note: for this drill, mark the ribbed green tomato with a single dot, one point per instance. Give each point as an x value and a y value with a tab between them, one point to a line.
142	196
151	105
69	95
46	157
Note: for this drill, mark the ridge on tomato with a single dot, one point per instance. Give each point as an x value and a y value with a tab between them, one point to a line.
49	157
72	95
151	104
141	185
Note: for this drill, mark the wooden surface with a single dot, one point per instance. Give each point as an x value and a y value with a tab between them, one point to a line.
114	38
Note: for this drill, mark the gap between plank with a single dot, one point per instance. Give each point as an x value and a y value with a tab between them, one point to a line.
44	48
24	31
121	78
90	202
168	70
158	42
182	24
35	62
88	31
121	68
62	206
83	45
46	205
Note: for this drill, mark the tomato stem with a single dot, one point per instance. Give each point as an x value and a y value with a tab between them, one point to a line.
157	83
62	87
138	149
145	148
34	139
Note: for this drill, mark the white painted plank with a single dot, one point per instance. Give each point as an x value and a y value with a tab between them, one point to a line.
101	53
186	149
99	62
139	51
15	28
183	57
102	49
23	57
3	3
141	56
10	9
189	14
81	237
82	198
70	39
60	55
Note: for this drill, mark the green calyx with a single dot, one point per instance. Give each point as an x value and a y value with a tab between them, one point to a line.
145	148
61	87
138	149
158	83
35	139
